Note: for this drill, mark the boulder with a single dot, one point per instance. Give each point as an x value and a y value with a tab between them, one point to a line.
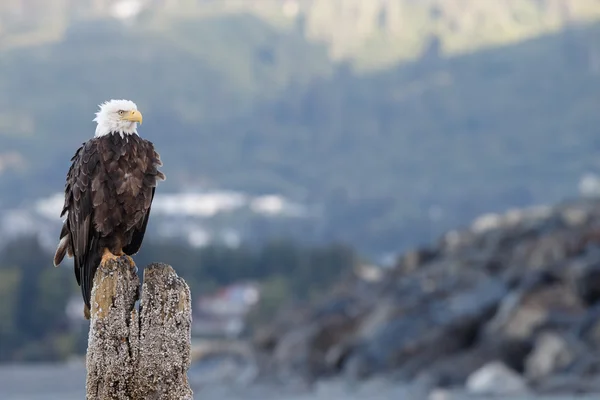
496	378
551	354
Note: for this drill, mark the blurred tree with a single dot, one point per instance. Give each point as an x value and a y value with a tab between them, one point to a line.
33	301
9	307
34	295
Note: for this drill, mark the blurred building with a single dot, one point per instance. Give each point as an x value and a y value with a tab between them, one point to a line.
224	312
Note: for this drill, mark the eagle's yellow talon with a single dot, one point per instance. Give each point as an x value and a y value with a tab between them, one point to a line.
108	256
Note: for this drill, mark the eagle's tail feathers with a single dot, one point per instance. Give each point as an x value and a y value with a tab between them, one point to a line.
89	268
61	250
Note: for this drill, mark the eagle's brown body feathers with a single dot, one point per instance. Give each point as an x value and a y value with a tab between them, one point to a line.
108	195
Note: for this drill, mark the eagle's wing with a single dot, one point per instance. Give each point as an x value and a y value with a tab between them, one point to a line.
138	233
79	207
150	161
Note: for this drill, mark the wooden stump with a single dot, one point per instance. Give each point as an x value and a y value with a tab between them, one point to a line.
143	355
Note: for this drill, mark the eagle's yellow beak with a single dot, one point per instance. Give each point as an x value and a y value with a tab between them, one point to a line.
133	116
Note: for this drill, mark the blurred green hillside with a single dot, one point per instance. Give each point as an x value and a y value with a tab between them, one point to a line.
399	118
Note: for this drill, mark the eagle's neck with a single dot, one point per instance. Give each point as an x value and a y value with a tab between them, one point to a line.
107	128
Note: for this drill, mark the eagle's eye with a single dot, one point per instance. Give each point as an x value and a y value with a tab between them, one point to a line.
121	112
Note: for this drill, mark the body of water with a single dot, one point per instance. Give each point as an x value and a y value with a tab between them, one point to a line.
67	382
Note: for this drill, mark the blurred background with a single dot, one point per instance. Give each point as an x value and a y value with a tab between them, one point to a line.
368	198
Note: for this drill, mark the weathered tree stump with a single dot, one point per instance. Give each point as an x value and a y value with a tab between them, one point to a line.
143	355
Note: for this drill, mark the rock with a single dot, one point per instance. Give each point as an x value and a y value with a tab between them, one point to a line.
524	311
431	328
575	217
440	394
496	379
291	354
288	317
413	259
584	274
318	346
548	250
453	370
551	353
589	328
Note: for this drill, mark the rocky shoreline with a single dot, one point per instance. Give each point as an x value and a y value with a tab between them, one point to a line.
507	306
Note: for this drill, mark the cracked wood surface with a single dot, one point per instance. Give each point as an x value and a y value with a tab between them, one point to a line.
138	355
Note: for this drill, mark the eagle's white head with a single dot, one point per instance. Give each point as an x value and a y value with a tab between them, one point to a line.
117	116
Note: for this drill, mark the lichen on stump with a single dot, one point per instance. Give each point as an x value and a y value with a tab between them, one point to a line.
143	355
166	324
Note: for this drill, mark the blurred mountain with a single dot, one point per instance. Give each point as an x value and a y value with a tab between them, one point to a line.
396	120
374	33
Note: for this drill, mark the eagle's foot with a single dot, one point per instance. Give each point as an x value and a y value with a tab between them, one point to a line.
128	260
131	263
108	256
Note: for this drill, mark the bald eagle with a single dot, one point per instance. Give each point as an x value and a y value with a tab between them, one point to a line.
108	194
